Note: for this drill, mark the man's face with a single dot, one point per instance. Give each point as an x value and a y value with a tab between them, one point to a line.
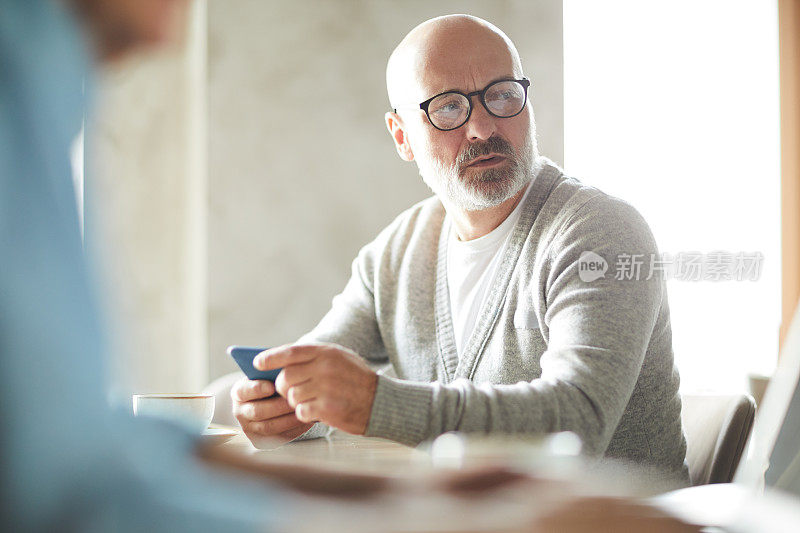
487	160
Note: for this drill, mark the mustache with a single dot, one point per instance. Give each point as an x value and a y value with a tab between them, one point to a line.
496	145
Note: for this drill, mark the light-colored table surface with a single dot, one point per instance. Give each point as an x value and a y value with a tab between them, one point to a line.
415	495
342	452
360	484
408	502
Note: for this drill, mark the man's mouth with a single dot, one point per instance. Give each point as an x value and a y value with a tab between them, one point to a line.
487	161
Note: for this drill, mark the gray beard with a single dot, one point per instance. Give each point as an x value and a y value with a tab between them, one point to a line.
486	188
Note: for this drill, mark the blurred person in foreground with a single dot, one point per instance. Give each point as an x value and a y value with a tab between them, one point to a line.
69	462
477	299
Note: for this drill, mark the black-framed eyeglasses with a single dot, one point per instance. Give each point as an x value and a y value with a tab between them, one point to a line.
452	109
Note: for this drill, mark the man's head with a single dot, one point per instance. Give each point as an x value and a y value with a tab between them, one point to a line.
465	54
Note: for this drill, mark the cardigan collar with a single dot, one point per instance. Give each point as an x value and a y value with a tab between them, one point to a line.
464	367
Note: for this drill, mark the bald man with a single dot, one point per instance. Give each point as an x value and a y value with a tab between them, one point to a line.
474	298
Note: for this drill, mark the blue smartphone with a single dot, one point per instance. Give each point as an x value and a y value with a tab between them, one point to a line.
244	355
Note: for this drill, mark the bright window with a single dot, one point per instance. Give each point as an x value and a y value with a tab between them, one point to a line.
673	106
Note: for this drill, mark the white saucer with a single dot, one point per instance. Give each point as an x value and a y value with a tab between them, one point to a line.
217	436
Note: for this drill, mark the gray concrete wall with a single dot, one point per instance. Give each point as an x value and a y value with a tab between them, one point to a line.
301	170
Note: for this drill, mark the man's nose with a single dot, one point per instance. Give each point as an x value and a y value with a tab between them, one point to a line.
481	125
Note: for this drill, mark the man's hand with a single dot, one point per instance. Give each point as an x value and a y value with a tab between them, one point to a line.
264	420
324	382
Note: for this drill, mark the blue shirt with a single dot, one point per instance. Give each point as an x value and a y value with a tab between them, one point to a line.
68	461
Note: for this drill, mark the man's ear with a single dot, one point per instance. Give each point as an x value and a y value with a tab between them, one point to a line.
398	132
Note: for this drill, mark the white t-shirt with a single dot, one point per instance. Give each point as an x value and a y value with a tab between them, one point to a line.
471	269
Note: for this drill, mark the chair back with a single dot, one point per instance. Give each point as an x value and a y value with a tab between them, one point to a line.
716	428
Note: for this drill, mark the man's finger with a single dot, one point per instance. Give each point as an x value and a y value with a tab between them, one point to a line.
275	426
285	355
302	393
265	409
293	375
235	389
308	411
252	389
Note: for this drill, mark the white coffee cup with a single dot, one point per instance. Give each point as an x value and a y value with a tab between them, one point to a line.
194	411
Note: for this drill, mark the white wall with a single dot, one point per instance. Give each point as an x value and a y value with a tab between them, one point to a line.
301	170
674	107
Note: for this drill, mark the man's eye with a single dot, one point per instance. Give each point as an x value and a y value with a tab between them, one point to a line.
503	95
452	107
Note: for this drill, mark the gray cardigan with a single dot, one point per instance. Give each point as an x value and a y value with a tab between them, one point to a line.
549	352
